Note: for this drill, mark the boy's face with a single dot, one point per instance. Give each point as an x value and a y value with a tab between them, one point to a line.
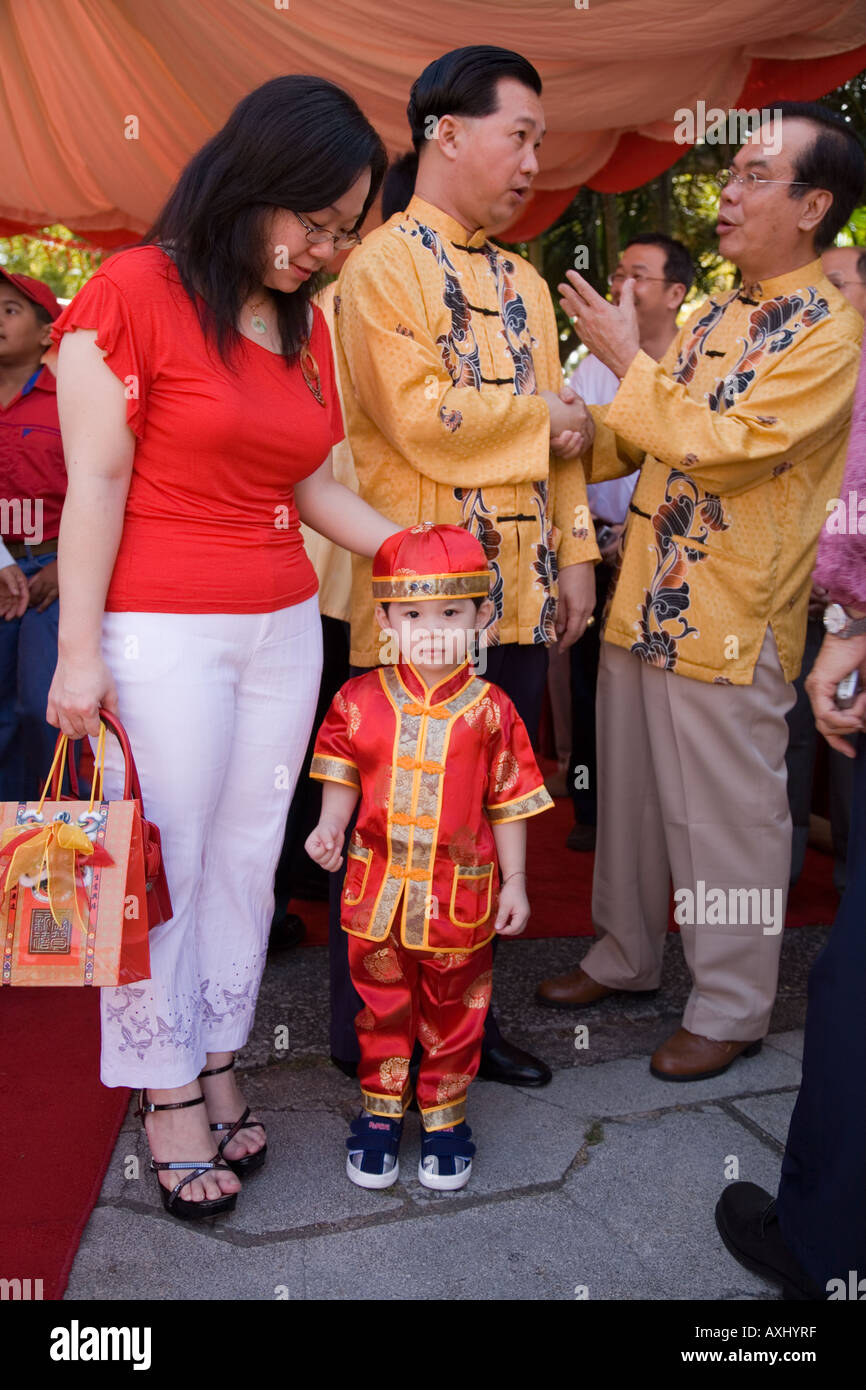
435	632
22	336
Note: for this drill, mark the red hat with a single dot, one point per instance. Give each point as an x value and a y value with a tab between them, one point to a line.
35	290
430	561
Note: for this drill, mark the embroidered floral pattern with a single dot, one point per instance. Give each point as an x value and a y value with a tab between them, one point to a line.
478	518
687	361
662	621
450	1085
772	328
505	772
451	419
515	323
431	1041
544	566
477	996
483	715
383	965
407	332
458	347
394	1073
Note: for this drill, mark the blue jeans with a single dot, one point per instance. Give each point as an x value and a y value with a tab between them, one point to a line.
28	656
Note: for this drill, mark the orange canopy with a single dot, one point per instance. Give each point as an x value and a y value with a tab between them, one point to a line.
615	71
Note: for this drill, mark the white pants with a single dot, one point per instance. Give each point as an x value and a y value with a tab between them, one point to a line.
219	709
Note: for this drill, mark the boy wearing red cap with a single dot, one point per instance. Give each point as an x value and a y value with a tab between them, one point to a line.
32	489
447	777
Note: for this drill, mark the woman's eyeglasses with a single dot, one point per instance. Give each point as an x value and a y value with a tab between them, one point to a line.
317	236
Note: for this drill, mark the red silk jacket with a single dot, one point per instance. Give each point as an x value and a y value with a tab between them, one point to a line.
435	769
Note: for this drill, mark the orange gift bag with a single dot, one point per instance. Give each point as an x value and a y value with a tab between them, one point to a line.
81	882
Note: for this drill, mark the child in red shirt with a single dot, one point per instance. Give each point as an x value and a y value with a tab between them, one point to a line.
447	777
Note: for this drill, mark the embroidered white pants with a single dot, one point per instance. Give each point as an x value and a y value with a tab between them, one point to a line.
219	709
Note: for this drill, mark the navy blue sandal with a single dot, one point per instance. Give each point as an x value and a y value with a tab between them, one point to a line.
446	1158
373	1144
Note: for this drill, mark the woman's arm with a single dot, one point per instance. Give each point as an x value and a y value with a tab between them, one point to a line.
339	514
98	446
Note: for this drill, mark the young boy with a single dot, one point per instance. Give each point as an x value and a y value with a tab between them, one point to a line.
32	489
447	777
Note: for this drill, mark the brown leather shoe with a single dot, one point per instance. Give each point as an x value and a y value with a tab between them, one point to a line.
572	991
689	1057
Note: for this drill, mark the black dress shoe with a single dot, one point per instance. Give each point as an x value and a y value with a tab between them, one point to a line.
512	1066
288	932
747	1222
347	1068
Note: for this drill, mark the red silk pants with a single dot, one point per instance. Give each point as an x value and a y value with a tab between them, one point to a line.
440	998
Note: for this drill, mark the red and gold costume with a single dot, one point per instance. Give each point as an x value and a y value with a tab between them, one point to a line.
435	768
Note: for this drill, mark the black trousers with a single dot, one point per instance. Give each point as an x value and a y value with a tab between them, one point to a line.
522	673
821	1202
584	679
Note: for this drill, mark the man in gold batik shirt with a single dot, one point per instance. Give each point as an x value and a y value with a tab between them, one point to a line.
448	354
739	434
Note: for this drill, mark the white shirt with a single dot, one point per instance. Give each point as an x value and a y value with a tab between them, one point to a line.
598	385
5	557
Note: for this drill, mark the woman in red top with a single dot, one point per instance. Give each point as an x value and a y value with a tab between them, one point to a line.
198	409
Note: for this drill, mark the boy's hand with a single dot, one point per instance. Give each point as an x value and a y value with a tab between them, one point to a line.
325	844
513	911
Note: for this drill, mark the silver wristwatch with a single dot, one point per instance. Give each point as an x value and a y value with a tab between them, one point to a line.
839	624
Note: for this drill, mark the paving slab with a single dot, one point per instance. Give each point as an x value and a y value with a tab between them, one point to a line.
127	1254
657	1181
527	1250
626	1086
771	1113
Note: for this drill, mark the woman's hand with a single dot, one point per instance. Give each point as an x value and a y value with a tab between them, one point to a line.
78	691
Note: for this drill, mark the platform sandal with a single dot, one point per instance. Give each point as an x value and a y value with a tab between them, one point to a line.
250	1163
373	1144
446	1158
175	1205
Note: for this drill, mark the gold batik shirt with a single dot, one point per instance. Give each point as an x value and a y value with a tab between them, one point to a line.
443	341
740	436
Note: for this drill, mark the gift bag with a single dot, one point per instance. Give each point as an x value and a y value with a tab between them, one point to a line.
81	882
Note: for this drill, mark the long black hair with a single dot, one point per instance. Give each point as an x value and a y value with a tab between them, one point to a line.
296	142
460	83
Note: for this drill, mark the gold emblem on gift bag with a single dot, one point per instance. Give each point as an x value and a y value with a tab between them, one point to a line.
48	937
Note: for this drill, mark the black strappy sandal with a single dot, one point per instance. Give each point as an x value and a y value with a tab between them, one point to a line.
250	1163
186	1211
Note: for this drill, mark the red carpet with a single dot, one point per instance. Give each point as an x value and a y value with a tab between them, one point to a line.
560	886
58	1128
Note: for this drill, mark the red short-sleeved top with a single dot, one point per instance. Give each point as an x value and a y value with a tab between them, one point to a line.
211	524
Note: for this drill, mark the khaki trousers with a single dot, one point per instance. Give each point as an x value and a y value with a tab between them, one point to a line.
692	787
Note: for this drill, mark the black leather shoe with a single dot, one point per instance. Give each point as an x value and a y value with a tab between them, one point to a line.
512	1066
347	1068
747	1222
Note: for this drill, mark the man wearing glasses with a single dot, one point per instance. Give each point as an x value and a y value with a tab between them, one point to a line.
739	435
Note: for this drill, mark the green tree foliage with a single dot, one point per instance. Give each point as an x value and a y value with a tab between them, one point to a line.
55	255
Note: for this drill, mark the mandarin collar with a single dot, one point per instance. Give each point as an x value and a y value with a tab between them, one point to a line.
779	285
437	694
434	217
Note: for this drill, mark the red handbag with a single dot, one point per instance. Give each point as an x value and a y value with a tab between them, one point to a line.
81	881
156	885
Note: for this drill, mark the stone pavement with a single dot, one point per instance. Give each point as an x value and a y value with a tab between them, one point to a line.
600	1185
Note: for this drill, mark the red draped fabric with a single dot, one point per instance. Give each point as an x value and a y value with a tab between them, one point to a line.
103	101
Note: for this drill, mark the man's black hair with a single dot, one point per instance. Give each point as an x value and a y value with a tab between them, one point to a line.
834	161
460	83
679	266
